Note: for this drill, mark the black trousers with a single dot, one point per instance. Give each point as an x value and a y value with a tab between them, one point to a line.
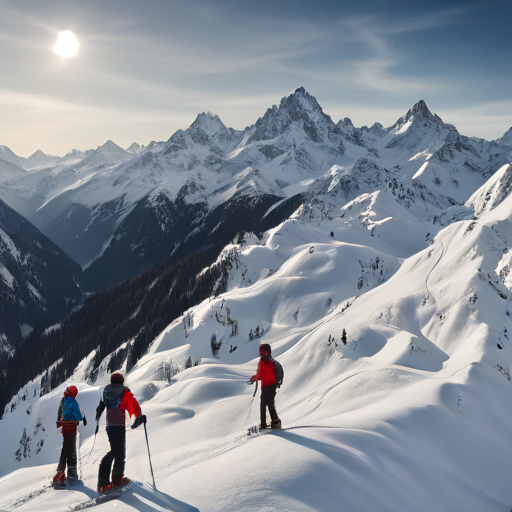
117	454
68	456
268	395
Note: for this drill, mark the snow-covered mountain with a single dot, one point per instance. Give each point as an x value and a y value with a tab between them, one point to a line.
39	159
8	156
92	204
412	413
38	281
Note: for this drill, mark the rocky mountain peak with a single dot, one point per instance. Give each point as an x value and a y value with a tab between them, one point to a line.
421	111
9	156
209	123
135	148
300	103
110	147
418	114
507	138
74	154
39	158
299	108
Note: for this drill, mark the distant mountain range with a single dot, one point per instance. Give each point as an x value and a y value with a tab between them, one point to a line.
117	212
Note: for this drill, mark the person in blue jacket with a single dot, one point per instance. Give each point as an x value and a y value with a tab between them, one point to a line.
68	417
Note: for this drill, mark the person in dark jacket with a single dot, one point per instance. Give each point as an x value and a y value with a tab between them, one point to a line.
266	374
68	417
118	400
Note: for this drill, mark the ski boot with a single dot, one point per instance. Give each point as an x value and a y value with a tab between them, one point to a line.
72	478
104	487
59	479
263	426
275	424
120	483
72	475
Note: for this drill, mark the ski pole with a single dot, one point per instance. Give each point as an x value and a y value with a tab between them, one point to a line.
79	456
95	434
149	455
252	400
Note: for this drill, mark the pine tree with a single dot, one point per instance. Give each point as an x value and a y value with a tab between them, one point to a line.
344	337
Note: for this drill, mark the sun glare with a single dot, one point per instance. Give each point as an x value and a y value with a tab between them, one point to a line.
67	45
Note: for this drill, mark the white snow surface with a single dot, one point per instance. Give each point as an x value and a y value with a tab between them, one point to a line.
414	413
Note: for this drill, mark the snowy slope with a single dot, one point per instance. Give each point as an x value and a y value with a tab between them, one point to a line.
412	414
493	192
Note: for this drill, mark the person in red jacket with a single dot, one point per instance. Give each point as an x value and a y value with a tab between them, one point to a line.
267	375
118	400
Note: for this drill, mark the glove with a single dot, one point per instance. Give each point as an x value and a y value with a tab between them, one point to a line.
99	410
139	421
97	429
59	424
84	419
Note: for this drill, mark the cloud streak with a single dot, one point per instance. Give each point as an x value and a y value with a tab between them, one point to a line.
165	65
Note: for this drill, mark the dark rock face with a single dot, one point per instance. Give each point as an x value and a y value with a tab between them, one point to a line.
160	229
81	231
149	235
38	281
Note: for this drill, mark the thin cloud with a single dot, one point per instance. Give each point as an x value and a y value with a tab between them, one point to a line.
489	120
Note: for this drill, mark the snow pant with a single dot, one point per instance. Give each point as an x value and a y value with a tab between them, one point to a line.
68	452
117	454
68	456
268	395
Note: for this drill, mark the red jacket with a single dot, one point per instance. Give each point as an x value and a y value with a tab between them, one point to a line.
265	373
116	413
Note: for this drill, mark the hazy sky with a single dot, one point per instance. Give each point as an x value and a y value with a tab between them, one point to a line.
145	69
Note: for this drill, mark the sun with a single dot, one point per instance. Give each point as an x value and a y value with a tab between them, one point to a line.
67	45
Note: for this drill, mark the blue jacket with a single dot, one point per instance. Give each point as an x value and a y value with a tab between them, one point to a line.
69	410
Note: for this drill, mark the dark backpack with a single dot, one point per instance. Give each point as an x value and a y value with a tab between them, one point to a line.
278	370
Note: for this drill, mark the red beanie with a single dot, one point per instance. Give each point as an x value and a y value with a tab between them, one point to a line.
116	378
266	347
71	390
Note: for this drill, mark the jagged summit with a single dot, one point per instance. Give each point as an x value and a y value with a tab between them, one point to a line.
74	154
9	156
421	109
419	113
39	158
37	154
209	123
302	100
299	108
110	147
507	138
135	148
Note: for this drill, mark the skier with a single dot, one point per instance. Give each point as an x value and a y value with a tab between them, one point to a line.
266	374
117	399
68	417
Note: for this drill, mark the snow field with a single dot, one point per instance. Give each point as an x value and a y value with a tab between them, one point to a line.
413	413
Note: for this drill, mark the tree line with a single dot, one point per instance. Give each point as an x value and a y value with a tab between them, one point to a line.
134	311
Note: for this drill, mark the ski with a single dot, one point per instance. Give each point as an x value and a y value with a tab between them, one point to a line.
103	498
256	430
66	484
